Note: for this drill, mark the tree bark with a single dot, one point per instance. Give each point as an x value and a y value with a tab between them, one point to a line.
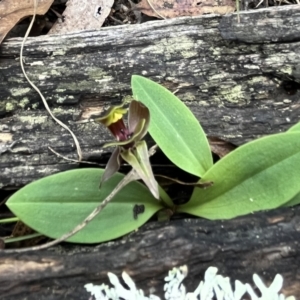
265	243
239	79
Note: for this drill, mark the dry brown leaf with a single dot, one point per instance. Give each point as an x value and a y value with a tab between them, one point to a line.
219	146
22	229
12	11
82	15
179	8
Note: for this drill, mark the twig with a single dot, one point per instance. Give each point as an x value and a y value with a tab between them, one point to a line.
238	10
260	2
149	2
79	152
75	160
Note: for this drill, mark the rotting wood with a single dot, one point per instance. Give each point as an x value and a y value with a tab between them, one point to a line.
265	243
273	25
237	89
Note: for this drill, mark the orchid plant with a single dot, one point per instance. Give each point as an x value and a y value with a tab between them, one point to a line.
129	144
257	176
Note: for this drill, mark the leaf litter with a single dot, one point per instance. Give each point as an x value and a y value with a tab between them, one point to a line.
175	8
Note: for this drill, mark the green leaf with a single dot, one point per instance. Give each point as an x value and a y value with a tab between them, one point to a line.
165	198
262	174
56	204
138	158
294	201
173	127
295	128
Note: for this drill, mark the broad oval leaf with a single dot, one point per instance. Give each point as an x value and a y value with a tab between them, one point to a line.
259	175
295	128
173	127
296	199
56	204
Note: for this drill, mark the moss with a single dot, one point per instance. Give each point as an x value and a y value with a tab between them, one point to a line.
19	92
61	99
127	99
226	118
233	95
55	72
216	51
58	52
97	73
189	96
286	70
35	105
83	84
24	102
168	46
33	120
9	106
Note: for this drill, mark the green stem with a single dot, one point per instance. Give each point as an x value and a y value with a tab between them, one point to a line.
9	220
21	238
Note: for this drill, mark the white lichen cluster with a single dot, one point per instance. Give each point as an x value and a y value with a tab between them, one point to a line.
213	286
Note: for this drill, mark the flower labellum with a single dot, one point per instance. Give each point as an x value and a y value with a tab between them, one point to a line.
129	144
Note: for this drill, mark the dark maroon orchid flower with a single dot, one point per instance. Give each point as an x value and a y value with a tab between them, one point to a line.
129	144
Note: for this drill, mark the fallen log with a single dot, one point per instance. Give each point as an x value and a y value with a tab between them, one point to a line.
265	243
241	80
